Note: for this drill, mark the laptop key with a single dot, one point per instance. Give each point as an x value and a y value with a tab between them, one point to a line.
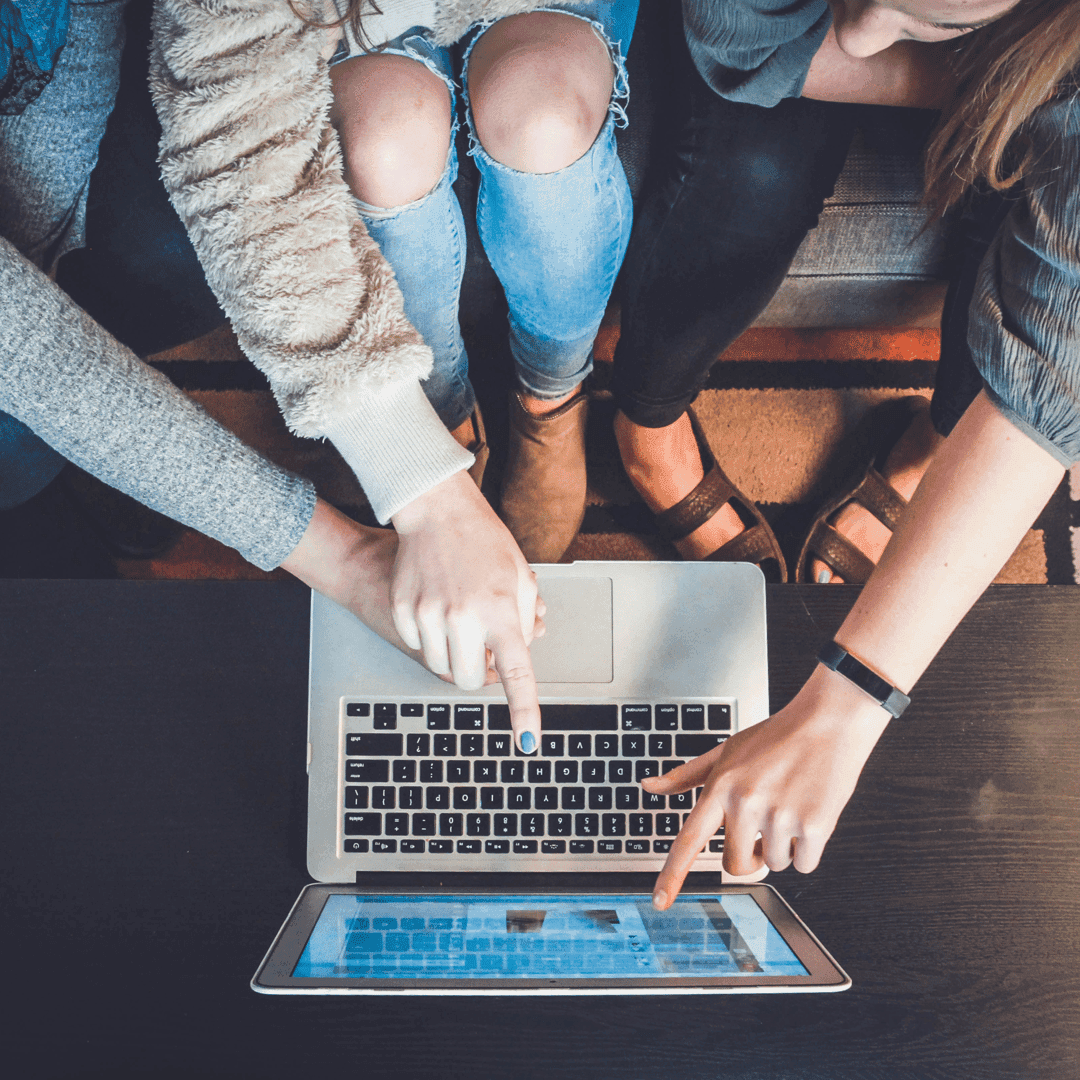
384	847
357	708
431	772
599	798
694	745
363	824
512	772
373	744
440	847
683	800
641	824
385	716
586	824
413	709
499	718
637	847
412	847
485	772
539	772
438	717
693	718
356	798
620	772
532	824
661	847
478	824
518	798
633	745
716	846
606	745
358	771
581	847
382	798
609	847
491	798
579	745
405	772
667	824
547	798
637	718
444	745
469	847
524	847
573	798
410	798
449	825
649	801
626	798
659	746
437	798
497	847
498	745
457	772
356	847
646	768
719	717
579	717
548	847
469	717
397	824
592	772
472	745
667	717
613	824
566	772
464	798
559	824
673	764
551	745
504	824
418	745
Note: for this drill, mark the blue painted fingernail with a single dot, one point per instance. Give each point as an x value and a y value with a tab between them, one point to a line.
823	577
528	742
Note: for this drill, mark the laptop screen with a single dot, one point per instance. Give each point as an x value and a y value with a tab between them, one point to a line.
543	936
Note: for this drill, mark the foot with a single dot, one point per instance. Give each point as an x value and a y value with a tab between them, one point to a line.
664	465
470	434
903	469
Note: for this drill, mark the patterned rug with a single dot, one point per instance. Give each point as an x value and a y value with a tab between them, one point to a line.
780	411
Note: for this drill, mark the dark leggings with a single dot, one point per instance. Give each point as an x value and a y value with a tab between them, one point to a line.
713	243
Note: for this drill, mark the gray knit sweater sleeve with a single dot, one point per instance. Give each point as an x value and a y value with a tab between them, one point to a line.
1024	331
100	406
755	51
253	167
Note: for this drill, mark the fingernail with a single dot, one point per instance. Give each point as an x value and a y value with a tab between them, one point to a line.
824	577
659	899
528	742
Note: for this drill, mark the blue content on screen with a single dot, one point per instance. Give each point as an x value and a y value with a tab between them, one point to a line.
543	937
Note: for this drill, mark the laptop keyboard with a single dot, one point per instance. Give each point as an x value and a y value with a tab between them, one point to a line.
447	779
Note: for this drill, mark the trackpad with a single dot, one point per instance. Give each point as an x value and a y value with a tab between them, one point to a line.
577	647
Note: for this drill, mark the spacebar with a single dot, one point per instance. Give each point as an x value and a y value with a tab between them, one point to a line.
579	717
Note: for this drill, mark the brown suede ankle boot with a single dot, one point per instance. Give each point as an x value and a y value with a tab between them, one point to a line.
543	500
478	446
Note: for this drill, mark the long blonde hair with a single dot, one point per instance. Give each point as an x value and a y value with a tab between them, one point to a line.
1005	72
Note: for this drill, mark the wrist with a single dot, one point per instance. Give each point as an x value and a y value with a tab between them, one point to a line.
438	504
843	705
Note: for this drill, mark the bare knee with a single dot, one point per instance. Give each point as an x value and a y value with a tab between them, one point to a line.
393	117
539	86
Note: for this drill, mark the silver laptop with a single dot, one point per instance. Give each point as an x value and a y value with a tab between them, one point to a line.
644	664
450	863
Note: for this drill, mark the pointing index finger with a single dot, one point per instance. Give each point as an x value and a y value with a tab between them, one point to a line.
514	665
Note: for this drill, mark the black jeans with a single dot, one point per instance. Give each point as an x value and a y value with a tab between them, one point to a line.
714	241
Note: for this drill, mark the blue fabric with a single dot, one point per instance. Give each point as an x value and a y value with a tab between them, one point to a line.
555	240
31	37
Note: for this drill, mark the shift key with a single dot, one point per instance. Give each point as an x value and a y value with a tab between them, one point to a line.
373	744
687	746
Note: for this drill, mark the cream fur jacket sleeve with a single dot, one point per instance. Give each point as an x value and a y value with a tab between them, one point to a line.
253	167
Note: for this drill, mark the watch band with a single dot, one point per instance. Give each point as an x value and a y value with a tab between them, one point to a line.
838	659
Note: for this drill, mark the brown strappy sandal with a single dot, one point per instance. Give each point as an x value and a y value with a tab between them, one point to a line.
870	490
757	543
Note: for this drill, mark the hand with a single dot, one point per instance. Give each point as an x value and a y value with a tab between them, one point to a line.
463	594
778	787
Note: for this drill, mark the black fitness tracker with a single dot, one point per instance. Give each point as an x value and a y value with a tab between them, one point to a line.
837	659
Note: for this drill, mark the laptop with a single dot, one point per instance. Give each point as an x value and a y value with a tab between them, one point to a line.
450	862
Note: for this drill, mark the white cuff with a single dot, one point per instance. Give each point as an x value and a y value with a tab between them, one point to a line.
397	446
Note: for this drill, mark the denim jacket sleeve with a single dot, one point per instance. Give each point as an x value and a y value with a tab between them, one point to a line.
755	51
1024	330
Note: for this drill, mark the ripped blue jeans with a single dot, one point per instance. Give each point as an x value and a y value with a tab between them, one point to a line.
555	240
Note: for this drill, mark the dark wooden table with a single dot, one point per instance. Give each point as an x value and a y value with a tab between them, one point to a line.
153	802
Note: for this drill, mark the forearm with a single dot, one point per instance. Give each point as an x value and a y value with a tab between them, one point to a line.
984	488
915	74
